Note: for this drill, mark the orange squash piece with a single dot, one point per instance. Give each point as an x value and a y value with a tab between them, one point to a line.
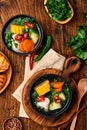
28	45
57	85
58	89
21	47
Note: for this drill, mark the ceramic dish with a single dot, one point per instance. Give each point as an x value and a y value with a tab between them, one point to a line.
22	34
50	95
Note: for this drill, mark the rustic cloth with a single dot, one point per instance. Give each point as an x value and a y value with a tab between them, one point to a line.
50	60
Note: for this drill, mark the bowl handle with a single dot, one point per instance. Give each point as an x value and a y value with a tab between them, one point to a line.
71	65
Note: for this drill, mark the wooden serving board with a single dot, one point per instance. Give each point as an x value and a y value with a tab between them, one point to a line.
43	120
8	74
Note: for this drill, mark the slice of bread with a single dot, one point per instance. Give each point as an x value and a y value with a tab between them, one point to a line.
3	79
58	21
5	72
4	65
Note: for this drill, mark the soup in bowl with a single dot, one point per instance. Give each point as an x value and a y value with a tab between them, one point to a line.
22	34
50	95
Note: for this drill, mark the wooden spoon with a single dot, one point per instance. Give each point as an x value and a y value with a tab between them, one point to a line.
59	21
82	90
63	126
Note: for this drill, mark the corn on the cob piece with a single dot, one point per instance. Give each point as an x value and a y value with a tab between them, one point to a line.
17	29
43	88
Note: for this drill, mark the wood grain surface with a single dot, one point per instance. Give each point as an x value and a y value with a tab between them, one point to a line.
60	35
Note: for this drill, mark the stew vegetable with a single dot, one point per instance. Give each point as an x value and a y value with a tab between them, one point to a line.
49	95
22	34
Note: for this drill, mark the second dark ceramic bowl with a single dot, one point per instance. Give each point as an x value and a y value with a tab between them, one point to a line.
56	112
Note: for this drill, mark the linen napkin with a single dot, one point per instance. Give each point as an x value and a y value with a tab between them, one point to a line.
50	60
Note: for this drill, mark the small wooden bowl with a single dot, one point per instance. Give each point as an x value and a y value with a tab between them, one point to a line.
58	21
12	118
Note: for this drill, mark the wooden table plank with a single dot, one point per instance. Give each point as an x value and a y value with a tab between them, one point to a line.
60	34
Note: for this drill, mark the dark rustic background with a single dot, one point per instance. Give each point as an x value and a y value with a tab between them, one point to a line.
60	34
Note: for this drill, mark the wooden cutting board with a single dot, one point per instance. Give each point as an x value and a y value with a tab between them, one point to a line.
65	117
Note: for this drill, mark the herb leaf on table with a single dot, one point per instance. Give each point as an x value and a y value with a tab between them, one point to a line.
84	15
79	43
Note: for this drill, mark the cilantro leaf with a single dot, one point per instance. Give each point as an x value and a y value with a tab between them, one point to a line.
79	43
59	9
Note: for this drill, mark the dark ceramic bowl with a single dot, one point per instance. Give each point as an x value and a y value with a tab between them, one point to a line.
56	112
39	29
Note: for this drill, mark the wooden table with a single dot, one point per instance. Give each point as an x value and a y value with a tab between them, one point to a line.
60	34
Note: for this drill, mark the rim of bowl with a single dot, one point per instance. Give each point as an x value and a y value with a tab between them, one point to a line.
40	31
62	110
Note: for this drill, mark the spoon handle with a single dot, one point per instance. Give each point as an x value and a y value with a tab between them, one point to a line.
71	65
72	127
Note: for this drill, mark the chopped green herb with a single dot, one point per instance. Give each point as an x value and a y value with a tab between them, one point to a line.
8	38
16	45
66	90
84	15
51	94
59	9
9	45
34	96
21	20
55	80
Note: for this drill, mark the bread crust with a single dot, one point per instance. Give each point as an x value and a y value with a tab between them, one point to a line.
4	65
3	79
5	72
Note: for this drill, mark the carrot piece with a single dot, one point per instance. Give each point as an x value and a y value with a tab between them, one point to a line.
57	85
28	45
58	89
21	47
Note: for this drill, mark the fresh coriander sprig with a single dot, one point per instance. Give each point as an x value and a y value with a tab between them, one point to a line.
84	15
79	43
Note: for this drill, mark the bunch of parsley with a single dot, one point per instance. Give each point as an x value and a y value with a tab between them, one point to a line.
59	9
79	43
